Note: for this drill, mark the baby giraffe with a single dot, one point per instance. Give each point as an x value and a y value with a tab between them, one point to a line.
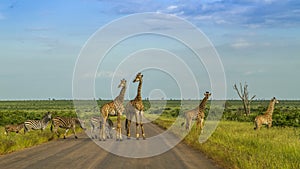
196	113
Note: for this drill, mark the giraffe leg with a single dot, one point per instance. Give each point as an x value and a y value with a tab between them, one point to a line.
120	134
117	134
201	125
142	125
189	124
270	124
137	125
119	130
128	128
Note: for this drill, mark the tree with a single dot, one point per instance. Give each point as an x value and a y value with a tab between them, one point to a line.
244	95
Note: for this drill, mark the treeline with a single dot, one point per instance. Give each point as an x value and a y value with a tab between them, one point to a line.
286	113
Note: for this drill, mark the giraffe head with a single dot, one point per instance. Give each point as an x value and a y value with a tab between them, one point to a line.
122	83
275	100
138	78
207	94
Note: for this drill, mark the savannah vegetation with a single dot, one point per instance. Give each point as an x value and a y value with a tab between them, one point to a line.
234	144
15	112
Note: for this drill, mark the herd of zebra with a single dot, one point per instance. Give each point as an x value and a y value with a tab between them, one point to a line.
66	123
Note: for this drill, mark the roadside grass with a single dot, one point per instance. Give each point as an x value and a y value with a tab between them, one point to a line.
236	145
19	141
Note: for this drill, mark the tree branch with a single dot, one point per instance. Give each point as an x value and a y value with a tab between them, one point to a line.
235	87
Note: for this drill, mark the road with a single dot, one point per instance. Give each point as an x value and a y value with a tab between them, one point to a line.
83	153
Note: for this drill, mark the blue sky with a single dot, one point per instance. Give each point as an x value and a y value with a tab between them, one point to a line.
258	42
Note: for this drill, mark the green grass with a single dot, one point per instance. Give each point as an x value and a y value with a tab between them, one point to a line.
19	141
237	145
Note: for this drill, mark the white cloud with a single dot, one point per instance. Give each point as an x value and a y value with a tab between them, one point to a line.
241	43
108	74
172	7
37	29
253	72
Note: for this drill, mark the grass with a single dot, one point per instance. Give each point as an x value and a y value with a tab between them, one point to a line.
236	145
19	141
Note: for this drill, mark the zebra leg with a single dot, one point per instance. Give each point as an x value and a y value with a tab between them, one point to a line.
186	124
117	134
74	127
104	129
66	133
92	130
25	129
56	132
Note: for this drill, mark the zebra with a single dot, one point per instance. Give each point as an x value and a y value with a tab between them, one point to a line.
13	128
37	124
66	123
96	123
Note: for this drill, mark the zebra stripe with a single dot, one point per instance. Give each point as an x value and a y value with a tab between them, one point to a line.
96	123
66	123
37	124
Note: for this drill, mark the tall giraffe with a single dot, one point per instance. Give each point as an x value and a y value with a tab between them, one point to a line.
114	107
197	113
135	108
267	117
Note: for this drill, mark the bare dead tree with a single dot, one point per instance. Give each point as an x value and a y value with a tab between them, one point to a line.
244	95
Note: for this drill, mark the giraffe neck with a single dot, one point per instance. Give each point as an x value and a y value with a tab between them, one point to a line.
120	97
139	91
270	108
203	103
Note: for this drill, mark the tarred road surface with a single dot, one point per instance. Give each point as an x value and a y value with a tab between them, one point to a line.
83	153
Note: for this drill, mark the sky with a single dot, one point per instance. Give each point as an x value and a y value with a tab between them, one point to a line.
258	42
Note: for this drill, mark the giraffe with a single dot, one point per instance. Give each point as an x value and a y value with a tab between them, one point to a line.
267	117
114	107
135	108
196	113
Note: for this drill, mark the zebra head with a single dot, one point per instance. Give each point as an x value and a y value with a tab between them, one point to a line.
47	117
